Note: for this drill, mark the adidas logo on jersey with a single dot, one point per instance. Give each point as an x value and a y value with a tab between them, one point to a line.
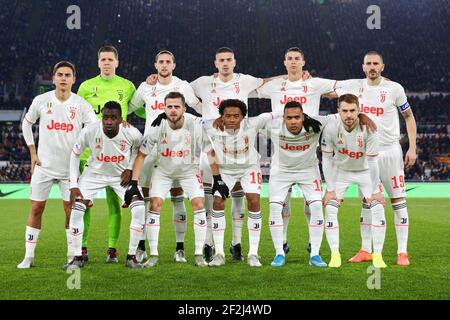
114	159
351	154
175	154
378	111
295	148
60	126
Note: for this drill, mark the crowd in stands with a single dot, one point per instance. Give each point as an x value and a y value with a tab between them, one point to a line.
332	33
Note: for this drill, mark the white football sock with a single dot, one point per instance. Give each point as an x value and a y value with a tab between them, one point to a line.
238	213
179	217
316	227
152	229
218	229
209	199
199	230
378	226
254	231
332	225
276	226
365	225
76	226
31	239
286	213
137	225
401	225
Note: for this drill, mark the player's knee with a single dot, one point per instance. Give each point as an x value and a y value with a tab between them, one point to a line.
37	208
397	200
219	203
156	204
253	203
197	204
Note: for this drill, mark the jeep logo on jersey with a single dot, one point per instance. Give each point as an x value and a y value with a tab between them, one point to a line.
175	154
217	102
73	112
300	99
60	126
157	105
378	111
295	148
113	159
351	154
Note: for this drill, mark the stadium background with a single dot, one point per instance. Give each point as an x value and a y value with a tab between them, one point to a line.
414	40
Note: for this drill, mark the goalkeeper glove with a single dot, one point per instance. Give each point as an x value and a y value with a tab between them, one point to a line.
132	190
158	119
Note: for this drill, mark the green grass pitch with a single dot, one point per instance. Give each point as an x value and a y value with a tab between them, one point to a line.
426	278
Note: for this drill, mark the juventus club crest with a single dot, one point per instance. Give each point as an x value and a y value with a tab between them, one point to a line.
213	87
122	145
187	138
360	92
164	139
49	108
120	94
305	88
94	92
283	86
73	112
359	139
98	143
307	136
383	96
340	139
154	91
237	87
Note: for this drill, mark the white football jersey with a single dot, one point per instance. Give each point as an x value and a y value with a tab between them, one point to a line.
59	126
235	149
152	98
212	91
350	148
294	152
281	91
177	150
109	157
380	103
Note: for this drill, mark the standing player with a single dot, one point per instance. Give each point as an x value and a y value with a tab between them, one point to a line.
151	97
62	114
354	162
294	88
212	91
381	100
113	149
107	86
176	142
234	159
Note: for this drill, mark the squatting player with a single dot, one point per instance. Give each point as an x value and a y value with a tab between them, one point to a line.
233	158
177	141
114	146
349	157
